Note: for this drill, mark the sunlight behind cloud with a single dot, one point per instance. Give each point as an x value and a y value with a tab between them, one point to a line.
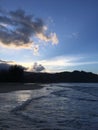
60	61
52	38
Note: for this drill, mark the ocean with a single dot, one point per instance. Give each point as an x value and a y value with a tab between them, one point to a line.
61	106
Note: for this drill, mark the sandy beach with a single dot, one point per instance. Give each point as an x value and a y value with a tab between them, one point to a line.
8	87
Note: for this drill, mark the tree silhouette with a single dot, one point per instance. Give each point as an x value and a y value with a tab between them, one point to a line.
16	73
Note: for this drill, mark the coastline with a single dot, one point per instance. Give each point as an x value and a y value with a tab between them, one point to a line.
9	87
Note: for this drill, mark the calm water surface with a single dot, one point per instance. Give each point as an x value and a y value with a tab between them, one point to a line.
54	107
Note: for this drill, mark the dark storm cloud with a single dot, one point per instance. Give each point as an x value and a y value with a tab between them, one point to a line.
18	28
7	62
38	67
5	65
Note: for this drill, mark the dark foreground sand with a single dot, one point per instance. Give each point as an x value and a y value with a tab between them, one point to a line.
8	87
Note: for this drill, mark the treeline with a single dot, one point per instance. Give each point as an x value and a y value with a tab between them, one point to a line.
16	73
75	76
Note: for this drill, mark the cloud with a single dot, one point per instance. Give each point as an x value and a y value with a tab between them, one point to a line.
5	65
65	61
51	38
74	35
35	49
37	67
61	61
7	62
18	29
50	20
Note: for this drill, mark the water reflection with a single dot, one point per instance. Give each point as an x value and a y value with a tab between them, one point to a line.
23	96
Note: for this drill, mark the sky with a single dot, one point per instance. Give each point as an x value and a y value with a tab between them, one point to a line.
49	35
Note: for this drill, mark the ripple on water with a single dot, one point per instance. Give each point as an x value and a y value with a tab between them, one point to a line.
50	108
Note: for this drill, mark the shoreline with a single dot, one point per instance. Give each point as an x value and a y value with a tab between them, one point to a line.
10	87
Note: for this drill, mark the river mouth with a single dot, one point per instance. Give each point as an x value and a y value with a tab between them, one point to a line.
52	107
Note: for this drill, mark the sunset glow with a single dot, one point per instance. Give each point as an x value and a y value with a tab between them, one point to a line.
59	38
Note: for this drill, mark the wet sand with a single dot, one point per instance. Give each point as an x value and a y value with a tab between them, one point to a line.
8	87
